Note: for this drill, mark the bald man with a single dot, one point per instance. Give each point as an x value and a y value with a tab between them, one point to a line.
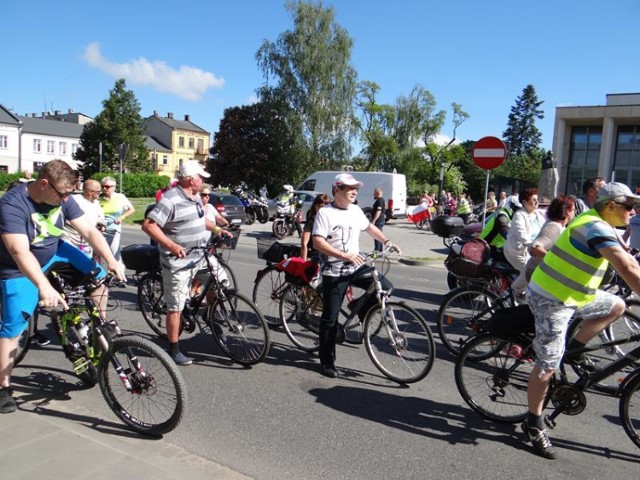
88	202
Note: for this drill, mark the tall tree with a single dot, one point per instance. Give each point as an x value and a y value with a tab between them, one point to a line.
417	118
521	134
118	123
311	65
258	144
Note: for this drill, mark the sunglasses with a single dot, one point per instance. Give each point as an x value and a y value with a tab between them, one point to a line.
108	186
205	194
61	195
628	207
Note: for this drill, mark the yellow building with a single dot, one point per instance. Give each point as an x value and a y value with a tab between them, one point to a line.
172	142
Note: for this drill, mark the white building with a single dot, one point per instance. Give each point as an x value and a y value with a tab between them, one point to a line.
598	141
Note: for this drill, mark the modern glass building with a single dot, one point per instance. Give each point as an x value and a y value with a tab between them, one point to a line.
598	141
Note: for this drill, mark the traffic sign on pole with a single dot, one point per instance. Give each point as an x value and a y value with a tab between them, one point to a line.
489	153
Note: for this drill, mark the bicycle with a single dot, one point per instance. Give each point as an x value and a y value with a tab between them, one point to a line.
492	373
232	319
466	309
138	380
396	337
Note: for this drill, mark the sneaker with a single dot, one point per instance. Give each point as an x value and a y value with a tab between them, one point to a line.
540	440
39	339
181	359
7	402
581	361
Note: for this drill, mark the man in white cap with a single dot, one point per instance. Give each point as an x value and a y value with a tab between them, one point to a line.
178	223
566	282
336	234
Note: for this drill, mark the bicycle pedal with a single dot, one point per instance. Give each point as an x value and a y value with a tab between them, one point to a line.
549	422
81	365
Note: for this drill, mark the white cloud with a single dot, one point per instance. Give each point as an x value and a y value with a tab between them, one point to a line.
438	139
186	82
252	100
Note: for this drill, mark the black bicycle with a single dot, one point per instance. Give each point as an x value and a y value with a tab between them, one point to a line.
137	378
231	318
492	372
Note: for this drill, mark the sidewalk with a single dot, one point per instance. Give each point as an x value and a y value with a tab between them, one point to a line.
46	439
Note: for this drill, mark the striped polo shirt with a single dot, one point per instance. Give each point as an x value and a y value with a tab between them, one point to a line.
182	219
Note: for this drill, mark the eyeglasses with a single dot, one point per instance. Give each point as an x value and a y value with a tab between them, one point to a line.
61	195
93	191
627	206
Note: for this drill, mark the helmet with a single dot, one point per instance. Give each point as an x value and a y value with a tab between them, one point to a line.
288	188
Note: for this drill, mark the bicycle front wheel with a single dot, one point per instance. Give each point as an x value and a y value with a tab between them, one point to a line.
233	283
300	313
269	286
151	303
492	375
399	342
630	410
460	315
238	328
142	385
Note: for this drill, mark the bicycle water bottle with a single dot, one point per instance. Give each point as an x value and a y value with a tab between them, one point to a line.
82	330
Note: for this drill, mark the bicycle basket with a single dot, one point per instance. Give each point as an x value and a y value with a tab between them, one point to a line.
140	257
472	261
274	252
513	321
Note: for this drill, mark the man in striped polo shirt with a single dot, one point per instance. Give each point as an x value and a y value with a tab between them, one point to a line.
178	223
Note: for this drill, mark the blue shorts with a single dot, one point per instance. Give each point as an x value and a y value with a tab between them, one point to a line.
20	296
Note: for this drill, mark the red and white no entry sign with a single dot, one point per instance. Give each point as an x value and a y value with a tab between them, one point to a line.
489	153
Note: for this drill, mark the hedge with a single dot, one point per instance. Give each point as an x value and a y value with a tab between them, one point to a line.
134	184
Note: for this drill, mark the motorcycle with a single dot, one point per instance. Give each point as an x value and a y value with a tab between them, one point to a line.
255	207
286	220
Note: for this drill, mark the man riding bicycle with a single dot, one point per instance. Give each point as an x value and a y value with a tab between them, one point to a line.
336	234
32	216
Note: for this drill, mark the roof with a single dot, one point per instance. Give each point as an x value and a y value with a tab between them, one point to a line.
178	124
7	117
54	128
153	143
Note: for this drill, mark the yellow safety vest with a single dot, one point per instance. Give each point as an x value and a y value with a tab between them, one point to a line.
568	274
464	207
487	233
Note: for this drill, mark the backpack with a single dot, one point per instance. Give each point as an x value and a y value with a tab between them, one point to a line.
472	261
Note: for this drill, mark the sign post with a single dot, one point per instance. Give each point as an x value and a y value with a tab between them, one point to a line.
488	153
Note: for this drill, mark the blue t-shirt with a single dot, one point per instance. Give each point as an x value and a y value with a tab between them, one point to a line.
40	222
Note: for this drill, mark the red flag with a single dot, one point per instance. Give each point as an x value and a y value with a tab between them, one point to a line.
419	213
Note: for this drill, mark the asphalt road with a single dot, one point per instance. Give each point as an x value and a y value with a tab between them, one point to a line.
281	419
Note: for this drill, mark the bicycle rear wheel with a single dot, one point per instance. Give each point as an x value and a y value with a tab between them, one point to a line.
630	410
462	311
492	376
152	398
151	303
267	290
399	342
238	328
300	313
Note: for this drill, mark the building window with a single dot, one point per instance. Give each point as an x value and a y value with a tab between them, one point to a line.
584	157
37	145
3	141
192	143
4	169
74	147
51	146
181	142
165	160
200	146
62	148
37	166
626	163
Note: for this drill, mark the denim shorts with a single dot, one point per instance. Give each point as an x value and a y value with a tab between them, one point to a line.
552	320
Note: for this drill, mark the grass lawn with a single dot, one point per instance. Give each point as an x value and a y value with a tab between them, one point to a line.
140	204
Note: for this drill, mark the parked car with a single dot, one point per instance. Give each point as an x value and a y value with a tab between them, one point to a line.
305	196
230	207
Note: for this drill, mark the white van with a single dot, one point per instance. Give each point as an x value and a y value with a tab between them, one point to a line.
393	185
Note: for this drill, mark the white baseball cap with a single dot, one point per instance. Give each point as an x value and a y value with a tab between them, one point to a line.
347	179
614	190
191	168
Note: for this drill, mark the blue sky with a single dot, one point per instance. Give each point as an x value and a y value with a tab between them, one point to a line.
198	57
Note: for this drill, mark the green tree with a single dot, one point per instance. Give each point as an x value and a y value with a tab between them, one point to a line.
417	118
260	145
522	135
118	123
311	66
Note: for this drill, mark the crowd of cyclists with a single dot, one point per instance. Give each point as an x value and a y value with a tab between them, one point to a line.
561	256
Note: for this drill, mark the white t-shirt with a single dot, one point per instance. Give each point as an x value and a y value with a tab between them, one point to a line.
93	214
341	228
